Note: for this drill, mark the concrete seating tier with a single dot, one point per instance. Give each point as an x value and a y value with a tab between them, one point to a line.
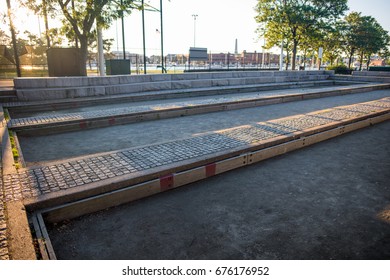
365	76
30	89
371	73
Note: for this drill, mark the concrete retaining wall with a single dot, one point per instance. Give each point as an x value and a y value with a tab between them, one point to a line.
371	73
362	79
29	89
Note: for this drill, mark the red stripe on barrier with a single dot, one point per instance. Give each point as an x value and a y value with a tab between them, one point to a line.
210	169
166	182
83	124
111	121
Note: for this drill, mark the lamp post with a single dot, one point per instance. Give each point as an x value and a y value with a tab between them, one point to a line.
281	57
143	35
195	17
163	70
123	32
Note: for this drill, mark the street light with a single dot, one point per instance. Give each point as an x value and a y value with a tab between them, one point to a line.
143	35
163	70
194	16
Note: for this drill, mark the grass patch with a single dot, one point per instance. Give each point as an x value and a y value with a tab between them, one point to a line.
14	147
6	115
11	73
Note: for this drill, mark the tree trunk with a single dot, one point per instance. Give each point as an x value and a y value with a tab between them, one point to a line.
82	63
287	58
45	19
350	58
361	61
294	54
368	61
14	42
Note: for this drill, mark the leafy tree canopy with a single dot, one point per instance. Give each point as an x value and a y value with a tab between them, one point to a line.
297	18
80	16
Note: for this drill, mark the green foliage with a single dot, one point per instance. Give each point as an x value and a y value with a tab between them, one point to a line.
15	153
79	16
340	69
14	149
364	36
6	115
296	20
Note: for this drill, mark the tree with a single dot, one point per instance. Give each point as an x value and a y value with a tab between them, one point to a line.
374	39
364	36
299	17
332	43
81	15
37	48
92	44
352	23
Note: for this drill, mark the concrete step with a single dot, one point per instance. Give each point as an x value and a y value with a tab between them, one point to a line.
367	79
76	87
82	185
7	95
8	98
371	73
58	104
66	82
49	124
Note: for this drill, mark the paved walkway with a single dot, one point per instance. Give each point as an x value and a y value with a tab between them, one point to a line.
75	173
3	227
62	117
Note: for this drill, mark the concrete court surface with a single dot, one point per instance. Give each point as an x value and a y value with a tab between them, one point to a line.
43	148
327	201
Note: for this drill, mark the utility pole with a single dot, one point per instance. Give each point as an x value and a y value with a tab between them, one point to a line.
100	51
195	17
163	70
281	58
143	35
263	58
17	63
123	32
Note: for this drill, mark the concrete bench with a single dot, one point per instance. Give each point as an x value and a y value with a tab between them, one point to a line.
371	73
30	89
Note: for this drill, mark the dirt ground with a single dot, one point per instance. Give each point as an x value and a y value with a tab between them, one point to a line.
327	201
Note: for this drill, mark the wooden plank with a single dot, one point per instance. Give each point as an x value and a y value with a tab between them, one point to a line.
46	238
356	126
189	176
275	151
96	203
312	139
230	164
379	119
38	235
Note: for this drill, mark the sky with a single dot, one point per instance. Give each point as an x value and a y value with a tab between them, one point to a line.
218	24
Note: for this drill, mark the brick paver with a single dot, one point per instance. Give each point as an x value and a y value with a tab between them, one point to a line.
36	181
218	100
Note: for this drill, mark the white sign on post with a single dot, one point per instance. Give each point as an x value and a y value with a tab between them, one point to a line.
320	51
